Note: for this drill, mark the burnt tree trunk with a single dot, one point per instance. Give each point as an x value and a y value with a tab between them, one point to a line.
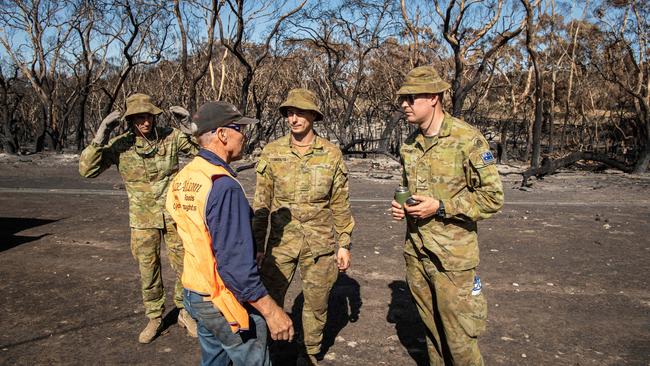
8	139
641	165
384	140
81	124
549	166
502	153
539	84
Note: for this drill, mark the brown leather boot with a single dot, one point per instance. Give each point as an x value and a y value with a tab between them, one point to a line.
151	331
186	321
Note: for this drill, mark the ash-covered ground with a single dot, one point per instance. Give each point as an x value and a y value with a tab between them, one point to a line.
564	269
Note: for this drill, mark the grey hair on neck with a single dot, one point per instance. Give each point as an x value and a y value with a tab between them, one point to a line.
204	138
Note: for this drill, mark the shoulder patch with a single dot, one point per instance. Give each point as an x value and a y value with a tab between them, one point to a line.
487	157
261	166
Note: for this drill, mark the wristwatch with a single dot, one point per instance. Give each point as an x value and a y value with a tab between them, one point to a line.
441	209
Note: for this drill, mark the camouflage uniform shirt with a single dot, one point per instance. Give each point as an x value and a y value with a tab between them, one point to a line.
459	169
306	197
146	170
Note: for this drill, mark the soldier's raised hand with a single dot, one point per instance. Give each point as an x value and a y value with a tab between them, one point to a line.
179	112
112	120
108	124
183	116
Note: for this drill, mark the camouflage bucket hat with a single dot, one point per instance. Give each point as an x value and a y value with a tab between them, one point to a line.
301	99
140	103
423	80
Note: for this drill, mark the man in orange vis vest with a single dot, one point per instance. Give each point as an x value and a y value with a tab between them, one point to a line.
222	287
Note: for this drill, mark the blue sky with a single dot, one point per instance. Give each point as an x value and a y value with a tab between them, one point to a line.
258	29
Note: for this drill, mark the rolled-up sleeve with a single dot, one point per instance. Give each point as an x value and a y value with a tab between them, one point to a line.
228	217
95	159
483	195
340	204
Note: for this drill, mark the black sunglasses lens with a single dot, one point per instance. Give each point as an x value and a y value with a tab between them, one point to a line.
409	98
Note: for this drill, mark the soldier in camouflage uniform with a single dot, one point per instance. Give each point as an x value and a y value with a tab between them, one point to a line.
452	174
302	184
147	158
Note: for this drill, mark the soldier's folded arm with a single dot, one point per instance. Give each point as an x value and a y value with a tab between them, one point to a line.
187	144
483	195
96	158
340	204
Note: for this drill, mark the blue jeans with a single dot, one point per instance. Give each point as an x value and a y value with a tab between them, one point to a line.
219	345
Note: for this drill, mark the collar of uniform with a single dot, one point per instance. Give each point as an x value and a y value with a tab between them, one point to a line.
447	124
445	130
216	160
140	141
318	143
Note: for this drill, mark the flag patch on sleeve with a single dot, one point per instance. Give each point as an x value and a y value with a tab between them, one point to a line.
487	158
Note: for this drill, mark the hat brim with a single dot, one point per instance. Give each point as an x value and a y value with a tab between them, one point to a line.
151	109
433	88
283	110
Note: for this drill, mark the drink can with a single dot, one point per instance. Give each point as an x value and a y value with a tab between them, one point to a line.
402	194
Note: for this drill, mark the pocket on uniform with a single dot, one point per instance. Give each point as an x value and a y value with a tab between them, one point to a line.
321	182
283	174
318	252
132	167
457	254
474	318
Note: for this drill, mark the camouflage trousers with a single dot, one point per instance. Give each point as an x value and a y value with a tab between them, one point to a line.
318	276
145	247
453	317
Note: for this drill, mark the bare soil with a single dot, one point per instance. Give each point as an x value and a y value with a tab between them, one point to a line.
563	266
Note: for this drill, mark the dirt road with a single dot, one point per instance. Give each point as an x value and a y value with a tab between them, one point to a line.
563	267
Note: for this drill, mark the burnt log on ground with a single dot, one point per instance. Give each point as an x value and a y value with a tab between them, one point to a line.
369	152
550	166
250	165
247	166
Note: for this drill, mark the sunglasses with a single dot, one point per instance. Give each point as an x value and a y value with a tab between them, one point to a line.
236	127
410	98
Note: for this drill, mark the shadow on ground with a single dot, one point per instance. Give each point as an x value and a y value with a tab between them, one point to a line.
403	313
69	330
344	307
9	226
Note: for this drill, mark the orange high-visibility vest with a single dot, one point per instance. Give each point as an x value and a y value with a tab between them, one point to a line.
186	201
